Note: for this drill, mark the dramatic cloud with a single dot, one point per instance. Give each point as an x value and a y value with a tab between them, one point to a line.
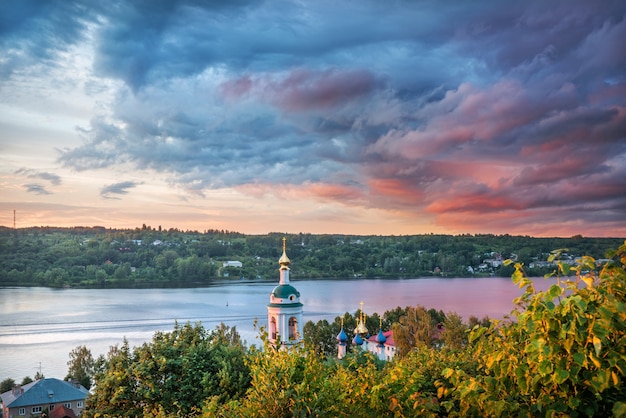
482	117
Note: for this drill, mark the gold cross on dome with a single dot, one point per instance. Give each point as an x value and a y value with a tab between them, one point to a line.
284	244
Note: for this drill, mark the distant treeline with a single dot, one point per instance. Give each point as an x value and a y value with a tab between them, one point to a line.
155	257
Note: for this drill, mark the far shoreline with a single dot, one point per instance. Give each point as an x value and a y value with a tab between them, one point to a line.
217	283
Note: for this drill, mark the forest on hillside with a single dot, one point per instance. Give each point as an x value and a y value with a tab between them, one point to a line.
155	257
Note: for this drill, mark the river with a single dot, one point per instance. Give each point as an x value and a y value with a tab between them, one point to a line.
40	326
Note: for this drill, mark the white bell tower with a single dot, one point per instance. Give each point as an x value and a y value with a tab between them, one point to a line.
284	312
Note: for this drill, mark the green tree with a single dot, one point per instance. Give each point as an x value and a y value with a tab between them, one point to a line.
172	375
115	387
321	337
6	385
473	321
81	366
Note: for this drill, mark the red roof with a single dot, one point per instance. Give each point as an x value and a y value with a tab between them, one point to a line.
388	335
61	411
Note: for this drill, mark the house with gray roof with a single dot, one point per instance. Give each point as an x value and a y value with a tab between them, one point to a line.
41	395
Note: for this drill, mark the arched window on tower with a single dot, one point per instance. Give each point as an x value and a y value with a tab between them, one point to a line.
293	328
272	329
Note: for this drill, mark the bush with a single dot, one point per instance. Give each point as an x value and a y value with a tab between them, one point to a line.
565	353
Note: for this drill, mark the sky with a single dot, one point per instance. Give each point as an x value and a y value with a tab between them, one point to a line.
360	117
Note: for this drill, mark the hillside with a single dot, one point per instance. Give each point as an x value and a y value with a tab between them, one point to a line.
151	257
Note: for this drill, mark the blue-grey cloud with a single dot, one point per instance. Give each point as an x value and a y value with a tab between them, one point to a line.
33	31
43	175
112	190
36	189
51	177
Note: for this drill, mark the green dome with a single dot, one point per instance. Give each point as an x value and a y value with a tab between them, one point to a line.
283	291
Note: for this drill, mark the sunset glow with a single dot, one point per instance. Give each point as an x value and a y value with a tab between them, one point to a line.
324	117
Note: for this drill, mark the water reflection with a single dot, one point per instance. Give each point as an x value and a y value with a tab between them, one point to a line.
43	325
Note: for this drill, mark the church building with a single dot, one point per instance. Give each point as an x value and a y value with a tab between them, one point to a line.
381	345
284	312
284	320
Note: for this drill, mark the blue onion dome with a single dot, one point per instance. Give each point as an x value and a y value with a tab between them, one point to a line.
357	340
381	337
342	337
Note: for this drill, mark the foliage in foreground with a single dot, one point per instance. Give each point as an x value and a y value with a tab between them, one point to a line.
565	354
562	354
170	376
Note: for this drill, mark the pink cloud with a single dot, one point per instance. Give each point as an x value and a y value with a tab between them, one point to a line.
547	222
335	192
473	203
567	167
345	194
499	158
302	89
469	116
394	193
236	88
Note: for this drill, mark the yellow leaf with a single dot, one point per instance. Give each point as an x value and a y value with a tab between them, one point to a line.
597	344
594	359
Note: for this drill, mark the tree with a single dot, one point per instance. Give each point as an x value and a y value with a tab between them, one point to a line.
473	321
416	328
81	366
115	387
173	375
6	385
321	337
393	316
454	331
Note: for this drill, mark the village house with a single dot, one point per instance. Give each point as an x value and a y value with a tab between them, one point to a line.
44	394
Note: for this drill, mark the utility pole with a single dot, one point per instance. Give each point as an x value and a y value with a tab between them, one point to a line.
14	224
39	374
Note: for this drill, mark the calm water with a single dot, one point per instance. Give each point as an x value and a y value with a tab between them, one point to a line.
40	326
